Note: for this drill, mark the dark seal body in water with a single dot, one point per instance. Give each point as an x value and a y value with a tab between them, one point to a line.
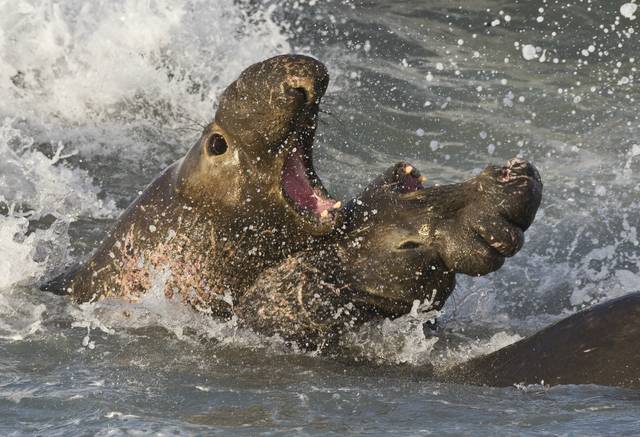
399	248
243	198
600	345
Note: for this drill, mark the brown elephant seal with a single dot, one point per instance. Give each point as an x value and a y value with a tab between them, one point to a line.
600	345
401	243
244	197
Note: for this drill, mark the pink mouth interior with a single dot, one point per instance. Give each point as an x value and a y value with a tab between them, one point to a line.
298	188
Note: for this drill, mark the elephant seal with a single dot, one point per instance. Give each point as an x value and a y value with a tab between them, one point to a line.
600	345
244	197
400	244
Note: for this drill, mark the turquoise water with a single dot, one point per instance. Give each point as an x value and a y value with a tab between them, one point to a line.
96	98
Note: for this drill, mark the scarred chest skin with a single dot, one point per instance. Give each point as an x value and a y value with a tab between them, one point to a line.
204	259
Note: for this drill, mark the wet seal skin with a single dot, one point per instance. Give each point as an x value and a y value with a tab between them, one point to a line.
400	243
244	197
600	345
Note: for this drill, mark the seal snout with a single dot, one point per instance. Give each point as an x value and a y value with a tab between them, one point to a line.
309	89
306	80
521	191
499	206
305	75
518	168
271	110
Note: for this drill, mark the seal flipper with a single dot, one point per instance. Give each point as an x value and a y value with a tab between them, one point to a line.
59	284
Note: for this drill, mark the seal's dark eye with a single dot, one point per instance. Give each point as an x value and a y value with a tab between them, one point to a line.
216	145
409	245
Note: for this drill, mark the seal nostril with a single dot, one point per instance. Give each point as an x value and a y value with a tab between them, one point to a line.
521	167
505	174
299	92
304	93
409	245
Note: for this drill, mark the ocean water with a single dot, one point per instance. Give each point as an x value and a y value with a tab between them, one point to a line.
97	97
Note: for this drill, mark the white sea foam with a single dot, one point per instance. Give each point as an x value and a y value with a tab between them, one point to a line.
33	186
19	318
628	9
398	341
79	61
529	52
154	309
472	348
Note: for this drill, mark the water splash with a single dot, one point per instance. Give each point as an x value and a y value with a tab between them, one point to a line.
123	79
40	196
76	62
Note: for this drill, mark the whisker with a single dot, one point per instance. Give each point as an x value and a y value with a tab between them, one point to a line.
335	97
188	128
343	127
325	111
196	122
335	117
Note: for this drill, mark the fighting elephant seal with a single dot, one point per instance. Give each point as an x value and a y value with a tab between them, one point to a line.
401	243
600	345
244	197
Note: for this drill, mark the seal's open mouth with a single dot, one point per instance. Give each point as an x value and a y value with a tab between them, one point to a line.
303	188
